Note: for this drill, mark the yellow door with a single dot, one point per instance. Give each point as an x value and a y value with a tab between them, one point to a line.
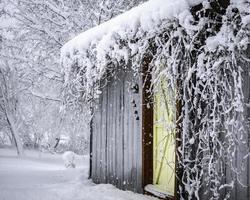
164	139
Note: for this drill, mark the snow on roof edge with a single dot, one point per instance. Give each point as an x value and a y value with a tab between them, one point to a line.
144	15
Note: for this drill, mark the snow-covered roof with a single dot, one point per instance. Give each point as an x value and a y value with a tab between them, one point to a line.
146	16
85	58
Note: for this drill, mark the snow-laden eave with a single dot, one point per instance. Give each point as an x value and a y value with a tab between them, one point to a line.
85	58
143	16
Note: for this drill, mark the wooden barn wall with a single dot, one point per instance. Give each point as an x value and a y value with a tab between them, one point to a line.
116	143
242	191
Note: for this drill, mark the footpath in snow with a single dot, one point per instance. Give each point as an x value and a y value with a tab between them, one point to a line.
42	176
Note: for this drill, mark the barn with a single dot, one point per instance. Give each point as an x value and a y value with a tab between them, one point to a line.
169	98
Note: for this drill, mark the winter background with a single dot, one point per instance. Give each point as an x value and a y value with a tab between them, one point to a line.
35	127
44	136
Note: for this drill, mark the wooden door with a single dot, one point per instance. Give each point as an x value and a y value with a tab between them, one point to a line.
164	140
117	150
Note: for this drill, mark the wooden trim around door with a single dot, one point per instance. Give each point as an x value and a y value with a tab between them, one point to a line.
147	124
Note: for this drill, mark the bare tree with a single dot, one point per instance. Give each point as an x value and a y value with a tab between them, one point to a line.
9	104
31	75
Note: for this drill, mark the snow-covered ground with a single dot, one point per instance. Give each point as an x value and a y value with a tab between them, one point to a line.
42	176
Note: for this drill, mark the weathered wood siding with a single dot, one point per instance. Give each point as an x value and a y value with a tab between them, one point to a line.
242	190
117	137
117	143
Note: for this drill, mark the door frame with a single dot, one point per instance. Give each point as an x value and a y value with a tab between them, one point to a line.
147	129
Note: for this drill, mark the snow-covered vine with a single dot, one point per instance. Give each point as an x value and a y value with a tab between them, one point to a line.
208	73
203	55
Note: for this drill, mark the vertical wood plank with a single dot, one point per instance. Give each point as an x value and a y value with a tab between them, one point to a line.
118	136
94	144
108	135
131	113
98	139
122	130
126	136
134	130
112	124
101	132
138	139
147	126
131	132
93	170
114	141
104	136
116	95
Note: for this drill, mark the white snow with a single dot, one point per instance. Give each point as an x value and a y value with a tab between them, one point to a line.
93	50
69	159
145	16
41	176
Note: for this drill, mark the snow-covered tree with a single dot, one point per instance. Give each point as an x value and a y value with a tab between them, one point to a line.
32	33
9	107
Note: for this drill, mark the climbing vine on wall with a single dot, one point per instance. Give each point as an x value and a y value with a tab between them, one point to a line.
206	64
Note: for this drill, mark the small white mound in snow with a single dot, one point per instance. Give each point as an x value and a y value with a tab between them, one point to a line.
69	159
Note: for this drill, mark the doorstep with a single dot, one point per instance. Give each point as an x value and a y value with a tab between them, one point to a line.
156	191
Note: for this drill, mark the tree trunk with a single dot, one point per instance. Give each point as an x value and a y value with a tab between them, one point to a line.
15	135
